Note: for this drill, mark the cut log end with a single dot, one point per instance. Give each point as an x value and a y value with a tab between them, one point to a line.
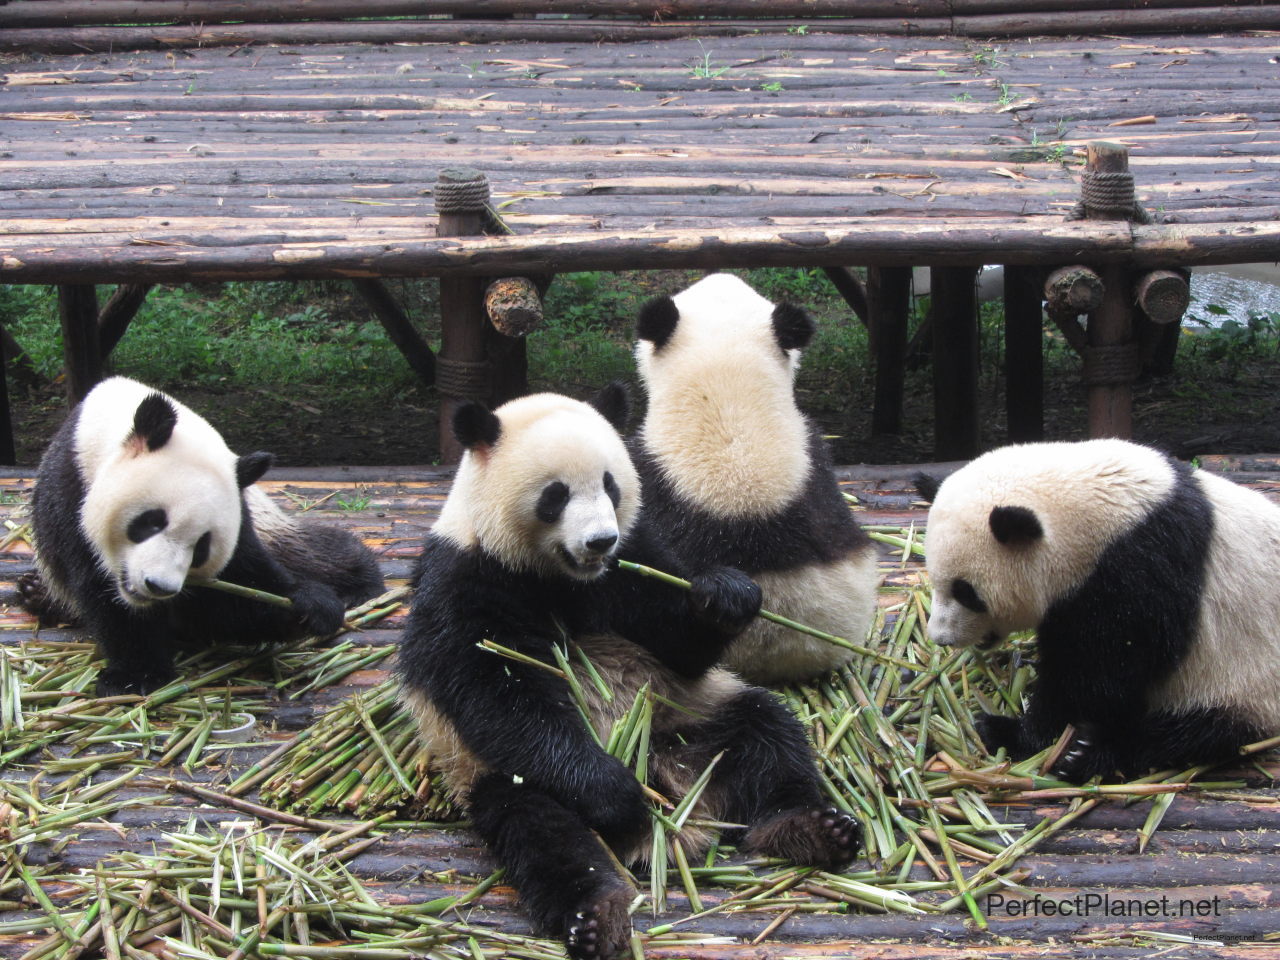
1164	295
514	306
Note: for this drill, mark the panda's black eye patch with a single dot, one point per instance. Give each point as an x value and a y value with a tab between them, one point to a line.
200	554
146	525
551	503
963	593
611	488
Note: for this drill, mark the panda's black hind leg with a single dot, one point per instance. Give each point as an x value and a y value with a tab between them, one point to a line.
767	779
568	880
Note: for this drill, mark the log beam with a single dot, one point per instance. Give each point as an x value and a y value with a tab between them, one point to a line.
855	295
1163	295
82	354
8	454
399	328
117	313
514	306
955	362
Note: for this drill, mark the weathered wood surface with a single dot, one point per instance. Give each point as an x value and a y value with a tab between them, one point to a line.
1206	848
305	161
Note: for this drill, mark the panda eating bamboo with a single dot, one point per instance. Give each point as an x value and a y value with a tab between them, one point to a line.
135	496
523	558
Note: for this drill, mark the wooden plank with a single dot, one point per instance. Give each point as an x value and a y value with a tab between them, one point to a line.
82	356
1024	348
954	303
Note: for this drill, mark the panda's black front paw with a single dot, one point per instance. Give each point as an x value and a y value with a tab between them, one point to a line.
1085	756
616	808
725	597
318	608
997	732
116	681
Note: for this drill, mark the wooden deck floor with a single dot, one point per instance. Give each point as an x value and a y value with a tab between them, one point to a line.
1224	846
272	161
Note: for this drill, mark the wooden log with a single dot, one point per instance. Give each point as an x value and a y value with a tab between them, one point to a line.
1069	292
90	39
514	306
399	328
850	288
889	309
954	299
463	369
1205	19
1111	361
1163	295
18	361
1023	356
120	309
82	355
66	13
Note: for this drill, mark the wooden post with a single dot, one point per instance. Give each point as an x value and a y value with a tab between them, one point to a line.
1111	357
955	362
399	328
462	368
888	308
82	354
8	456
1023	354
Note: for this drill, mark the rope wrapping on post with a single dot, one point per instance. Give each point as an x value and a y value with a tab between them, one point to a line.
1112	365
1108	192
461	190
464	379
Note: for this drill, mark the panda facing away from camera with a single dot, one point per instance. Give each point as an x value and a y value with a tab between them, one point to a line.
137	494
1152	587
524	555
733	473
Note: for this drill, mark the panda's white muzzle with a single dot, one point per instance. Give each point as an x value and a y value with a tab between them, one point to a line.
589	535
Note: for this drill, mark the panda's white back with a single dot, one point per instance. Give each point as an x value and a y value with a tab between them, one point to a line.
1236	659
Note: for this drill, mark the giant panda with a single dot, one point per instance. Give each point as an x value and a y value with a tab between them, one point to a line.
524	554
1152	588
137	494
734	473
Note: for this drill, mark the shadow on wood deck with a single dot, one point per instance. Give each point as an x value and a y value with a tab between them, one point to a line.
1217	849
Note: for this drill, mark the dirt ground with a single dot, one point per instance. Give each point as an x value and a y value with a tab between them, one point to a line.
308	426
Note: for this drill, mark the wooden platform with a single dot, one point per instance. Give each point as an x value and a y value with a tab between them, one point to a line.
1220	847
295	160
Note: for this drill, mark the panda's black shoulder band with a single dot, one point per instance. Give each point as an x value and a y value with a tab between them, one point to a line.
613	402
792	326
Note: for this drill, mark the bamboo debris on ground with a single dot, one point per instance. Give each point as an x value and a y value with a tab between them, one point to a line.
47	698
894	739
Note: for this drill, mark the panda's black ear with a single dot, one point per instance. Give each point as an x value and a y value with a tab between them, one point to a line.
926	486
1015	525
792	326
154	420
475	425
251	467
614	403
658	319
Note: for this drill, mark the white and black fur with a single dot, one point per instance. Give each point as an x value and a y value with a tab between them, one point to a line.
1152	587
524	554
135	495
734	473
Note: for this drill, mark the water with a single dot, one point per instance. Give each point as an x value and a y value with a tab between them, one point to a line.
1244	291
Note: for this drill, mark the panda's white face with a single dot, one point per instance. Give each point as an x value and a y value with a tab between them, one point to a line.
1022	526
154	512
555	494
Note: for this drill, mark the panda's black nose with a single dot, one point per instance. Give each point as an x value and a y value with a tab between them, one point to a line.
602	544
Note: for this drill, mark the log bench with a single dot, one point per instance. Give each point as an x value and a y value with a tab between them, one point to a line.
303	146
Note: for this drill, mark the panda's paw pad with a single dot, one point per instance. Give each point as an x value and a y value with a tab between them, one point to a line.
601	926
35	597
812	836
1082	758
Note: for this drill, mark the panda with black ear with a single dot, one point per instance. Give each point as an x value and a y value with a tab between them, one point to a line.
137	494
524	554
1152	589
734	473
